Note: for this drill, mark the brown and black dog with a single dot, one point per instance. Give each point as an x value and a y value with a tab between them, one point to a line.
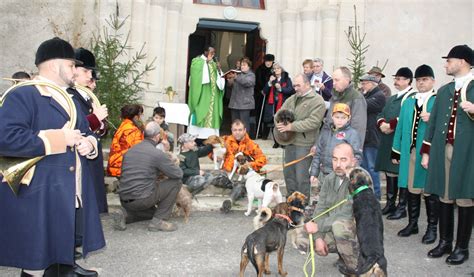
271	237
369	228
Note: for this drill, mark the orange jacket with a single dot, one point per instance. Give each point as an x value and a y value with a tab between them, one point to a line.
248	147
126	136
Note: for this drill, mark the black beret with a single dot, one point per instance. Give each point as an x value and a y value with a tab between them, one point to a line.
86	57
269	58
424	71
404	72
463	52
55	48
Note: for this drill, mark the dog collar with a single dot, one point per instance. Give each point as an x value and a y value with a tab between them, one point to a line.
355	192
284	217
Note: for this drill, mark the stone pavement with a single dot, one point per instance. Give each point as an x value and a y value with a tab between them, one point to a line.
209	245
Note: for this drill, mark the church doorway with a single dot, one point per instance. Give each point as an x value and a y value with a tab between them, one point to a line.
232	41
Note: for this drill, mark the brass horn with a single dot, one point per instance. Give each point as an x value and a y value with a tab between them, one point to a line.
14	169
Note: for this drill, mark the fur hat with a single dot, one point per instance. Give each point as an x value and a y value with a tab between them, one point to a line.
86	57
55	48
376	70
424	71
404	72
463	52
269	58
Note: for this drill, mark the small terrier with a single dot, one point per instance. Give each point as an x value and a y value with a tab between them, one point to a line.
184	203
218	151
240	166
257	186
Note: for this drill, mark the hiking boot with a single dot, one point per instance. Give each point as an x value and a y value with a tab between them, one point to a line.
119	219
161	225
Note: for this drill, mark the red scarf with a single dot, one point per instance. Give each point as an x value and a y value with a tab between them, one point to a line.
271	98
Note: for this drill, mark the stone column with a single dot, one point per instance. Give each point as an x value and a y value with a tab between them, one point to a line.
329	15
309	32
155	42
288	40
171	43
138	28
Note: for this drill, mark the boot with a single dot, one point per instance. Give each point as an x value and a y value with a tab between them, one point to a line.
432	204
157	224
461	251
401	211
413	215
235	194
446	226
392	191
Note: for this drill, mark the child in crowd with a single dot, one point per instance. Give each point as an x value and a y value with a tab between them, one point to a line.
193	177
159	115
331	135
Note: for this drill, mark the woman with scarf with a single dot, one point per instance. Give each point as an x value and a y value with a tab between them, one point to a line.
277	90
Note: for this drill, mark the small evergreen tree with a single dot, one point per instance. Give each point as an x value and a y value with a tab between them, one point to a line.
122	77
356	41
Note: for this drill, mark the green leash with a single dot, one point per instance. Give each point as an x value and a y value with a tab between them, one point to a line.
311	243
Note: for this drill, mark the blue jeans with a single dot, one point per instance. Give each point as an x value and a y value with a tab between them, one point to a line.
368	163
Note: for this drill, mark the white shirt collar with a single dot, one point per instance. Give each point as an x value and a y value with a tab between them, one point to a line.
422	96
402	92
459	81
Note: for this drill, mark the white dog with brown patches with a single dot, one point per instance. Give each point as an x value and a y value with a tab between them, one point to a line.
265	190
218	150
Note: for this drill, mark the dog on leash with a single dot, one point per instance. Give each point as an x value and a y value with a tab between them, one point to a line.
269	238
295	233
265	190
369	227
218	150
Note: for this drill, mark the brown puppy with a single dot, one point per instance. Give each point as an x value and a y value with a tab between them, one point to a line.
184	203
259	244
271	237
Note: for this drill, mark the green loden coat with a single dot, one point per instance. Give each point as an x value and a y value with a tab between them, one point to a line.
403	139
462	167
391	111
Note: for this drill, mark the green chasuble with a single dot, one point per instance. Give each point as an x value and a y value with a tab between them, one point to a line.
205	100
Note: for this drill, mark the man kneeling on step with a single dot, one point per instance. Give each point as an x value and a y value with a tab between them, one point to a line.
143	195
335	232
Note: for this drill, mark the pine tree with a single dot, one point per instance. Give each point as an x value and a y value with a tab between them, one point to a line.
359	49
122	77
